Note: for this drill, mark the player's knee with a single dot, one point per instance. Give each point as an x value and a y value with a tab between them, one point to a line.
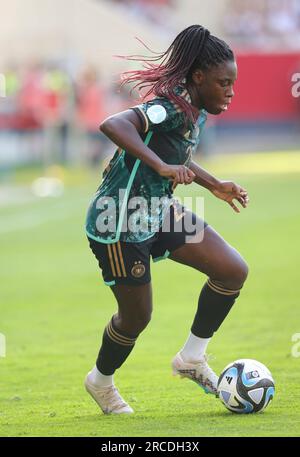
141	320
243	271
238	274
234	272
135	323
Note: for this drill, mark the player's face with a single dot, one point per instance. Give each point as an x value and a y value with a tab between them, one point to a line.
214	87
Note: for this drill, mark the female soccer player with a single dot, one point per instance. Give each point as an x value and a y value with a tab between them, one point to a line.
133	214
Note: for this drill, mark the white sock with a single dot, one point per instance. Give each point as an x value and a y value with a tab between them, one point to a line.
194	348
99	379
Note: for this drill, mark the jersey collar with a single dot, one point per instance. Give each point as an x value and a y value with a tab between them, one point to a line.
184	93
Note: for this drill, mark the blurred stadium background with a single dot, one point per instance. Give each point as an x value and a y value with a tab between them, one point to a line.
58	80
61	76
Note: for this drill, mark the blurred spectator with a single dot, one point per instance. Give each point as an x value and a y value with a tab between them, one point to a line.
12	81
44	108
283	21
155	11
31	98
244	20
56	110
90	100
56	86
49	115
91	111
263	23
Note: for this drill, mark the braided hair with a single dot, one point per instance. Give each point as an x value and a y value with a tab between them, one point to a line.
193	48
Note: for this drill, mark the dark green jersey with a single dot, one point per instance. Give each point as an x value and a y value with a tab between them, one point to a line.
132	199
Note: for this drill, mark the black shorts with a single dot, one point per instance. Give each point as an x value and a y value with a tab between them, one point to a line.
129	263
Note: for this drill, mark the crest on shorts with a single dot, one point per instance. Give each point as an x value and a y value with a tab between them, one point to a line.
138	269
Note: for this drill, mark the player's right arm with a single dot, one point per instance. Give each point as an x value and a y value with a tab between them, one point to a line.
124	130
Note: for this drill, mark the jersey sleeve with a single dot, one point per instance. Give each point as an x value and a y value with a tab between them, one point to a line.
159	115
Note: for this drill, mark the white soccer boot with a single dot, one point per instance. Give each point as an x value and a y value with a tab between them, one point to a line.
108	398
199	372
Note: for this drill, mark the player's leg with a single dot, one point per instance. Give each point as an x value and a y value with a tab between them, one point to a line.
213	256
126	269
134	307
119	337
226	271
121	333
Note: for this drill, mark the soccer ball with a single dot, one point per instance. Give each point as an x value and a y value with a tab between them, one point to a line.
246	386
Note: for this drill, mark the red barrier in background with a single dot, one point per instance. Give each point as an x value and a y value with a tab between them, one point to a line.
263	90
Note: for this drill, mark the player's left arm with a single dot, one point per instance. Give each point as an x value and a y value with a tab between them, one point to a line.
225	190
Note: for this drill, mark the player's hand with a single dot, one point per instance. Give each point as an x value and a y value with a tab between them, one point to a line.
179	174
229	191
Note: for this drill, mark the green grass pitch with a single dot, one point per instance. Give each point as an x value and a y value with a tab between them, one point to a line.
54	307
